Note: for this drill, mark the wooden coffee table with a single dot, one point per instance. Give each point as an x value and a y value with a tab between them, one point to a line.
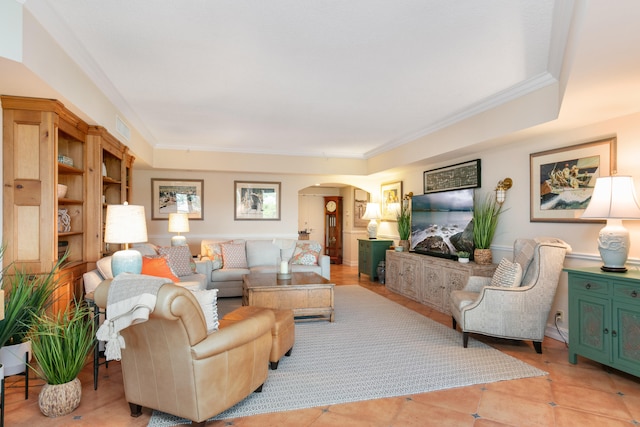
309	295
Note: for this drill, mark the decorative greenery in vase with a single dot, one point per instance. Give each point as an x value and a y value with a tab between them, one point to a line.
485	221
404	219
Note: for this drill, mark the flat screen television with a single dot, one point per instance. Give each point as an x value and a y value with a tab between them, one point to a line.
442	223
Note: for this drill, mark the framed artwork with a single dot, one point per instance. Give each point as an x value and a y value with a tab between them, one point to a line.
390	198
454	177
182	196
360	200
562	180
256	201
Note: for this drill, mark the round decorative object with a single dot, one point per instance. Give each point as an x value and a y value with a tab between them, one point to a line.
62	191
381	271
331	206
64	221
483	256
56	400
463	260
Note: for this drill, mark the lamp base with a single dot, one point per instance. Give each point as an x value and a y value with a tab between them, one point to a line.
126	261
372	229
178	241
614	269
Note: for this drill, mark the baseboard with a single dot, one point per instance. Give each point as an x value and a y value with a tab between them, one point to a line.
552	332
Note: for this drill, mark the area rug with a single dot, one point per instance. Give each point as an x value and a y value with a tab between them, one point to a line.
375	348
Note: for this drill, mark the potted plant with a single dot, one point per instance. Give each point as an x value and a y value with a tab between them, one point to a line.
404	222
463	256
485	222
26	297
61	343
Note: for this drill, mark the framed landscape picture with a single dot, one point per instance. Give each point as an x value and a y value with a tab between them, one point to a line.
562	180
256	201
177	196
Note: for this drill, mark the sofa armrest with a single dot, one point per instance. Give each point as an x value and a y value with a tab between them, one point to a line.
325	265
204	266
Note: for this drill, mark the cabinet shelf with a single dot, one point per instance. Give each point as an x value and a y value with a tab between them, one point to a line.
110	181
70	233
65	201
69	170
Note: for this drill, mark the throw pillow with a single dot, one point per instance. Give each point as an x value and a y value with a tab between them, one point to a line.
157	266
214	252
208	300
179	258
507	275
306	253
234	255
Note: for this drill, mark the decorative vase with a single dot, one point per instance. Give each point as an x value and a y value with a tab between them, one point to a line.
463	260
56	400
482	256
381	271
404	244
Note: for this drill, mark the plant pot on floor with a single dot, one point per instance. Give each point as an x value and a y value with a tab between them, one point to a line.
483	256
56	400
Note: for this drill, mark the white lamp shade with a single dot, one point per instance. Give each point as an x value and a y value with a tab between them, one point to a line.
613	197
178	223
372	211
125	224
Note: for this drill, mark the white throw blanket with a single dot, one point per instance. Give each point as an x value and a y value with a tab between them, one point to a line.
131	298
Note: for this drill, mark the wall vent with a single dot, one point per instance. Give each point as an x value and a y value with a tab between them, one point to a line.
122	128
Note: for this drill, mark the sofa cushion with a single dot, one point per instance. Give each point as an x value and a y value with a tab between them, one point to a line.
214	253
234	255
208	303
179	259
306	253
229	274
264	252
157	266
507	275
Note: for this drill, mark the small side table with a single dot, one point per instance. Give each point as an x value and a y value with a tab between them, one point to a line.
370	253
96	348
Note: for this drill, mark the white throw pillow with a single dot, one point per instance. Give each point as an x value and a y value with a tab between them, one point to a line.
507	275
208	300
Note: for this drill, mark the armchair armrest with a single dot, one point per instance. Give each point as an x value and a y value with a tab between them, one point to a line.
476	283
324	261
235	335
204	266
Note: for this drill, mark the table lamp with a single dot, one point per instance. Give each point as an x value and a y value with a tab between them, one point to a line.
125	224
614	199
178	223
373	214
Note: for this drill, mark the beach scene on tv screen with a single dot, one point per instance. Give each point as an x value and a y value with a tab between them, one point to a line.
442	223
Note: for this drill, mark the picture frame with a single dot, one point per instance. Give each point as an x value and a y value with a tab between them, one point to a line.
177	195
256	201
562	180
360	200
453	177
390	199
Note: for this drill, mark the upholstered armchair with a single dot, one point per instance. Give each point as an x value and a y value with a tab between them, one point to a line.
169	363
517	310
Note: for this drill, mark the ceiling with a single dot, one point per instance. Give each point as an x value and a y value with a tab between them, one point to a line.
348	79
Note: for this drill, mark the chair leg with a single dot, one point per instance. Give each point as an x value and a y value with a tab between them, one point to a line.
465	339
538	346
136	410
273	365
259	389
288	353
453	322
200	424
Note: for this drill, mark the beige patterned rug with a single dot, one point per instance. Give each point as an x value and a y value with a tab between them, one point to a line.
375	348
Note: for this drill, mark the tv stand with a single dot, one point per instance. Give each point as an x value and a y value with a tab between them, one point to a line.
429	280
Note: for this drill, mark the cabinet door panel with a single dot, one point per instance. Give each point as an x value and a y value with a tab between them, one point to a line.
593	328
626	342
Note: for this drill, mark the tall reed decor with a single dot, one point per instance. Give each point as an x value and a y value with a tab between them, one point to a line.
485	222
404	221
61	343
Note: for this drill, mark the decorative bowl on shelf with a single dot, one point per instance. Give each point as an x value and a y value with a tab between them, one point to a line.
62	191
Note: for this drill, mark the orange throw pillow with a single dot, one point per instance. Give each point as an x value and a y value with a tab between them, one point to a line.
157	266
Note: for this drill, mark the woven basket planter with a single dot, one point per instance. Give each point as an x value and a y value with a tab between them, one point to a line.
56	400
483	256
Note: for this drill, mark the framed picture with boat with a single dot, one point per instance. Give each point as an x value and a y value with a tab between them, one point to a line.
562	180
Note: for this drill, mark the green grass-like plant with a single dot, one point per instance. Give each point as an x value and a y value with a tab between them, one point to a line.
62	342
404	221
26	297
485	221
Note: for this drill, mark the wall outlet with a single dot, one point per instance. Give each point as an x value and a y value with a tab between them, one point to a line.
559	316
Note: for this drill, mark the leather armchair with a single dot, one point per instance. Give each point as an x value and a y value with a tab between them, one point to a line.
518	313
172	365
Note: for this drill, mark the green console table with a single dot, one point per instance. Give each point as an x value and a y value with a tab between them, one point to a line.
604	317
370	253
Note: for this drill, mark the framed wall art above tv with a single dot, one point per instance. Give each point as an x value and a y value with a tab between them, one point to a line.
454	177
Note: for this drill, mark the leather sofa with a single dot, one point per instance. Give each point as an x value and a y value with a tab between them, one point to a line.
261	257
169	363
